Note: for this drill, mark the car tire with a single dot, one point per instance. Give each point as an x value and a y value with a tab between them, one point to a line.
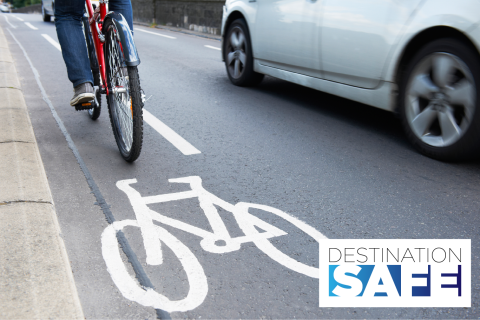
439	100
46	17
239	55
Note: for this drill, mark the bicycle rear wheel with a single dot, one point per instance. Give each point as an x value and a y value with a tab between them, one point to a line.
124	97
94	113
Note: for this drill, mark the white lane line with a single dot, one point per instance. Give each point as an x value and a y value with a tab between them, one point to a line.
155	33
18	18
53	42
212	47
11	25
30	26
174	138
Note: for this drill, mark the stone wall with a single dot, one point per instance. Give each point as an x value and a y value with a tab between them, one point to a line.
198	15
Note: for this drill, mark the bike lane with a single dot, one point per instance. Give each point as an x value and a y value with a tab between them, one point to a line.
81	220
244	283
72	198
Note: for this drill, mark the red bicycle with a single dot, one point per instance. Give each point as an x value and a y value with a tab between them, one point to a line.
114	60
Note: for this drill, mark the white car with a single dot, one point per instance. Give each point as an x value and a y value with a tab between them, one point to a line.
48	9
4	8
419	58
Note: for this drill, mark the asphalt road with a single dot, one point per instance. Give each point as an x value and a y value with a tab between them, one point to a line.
344	168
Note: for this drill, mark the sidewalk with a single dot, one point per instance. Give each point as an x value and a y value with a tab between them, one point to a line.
36	279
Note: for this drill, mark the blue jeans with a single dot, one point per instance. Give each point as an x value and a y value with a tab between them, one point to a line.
68	22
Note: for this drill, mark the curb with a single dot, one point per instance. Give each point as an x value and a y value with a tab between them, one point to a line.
185	31
35	273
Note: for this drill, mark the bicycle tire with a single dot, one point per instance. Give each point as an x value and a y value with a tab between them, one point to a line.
126	120
93	113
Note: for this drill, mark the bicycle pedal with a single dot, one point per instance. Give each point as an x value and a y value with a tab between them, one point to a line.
84	106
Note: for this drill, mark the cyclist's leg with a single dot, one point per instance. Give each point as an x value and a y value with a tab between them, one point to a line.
125	8
68	22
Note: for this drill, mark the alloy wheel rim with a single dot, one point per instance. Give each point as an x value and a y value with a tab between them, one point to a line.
440	99
236	53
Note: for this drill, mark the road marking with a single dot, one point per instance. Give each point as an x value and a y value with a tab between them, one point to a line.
155	33
155	237
18	18
11	25
31	26
174	138
211	47
128	286
53	42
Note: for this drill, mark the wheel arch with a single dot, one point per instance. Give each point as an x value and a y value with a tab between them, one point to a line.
422	38
232	17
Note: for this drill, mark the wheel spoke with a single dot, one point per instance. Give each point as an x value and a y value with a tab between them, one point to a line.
443	68
422	86
241	40
243	58
422	122
237	68
234	40
463	93
120	100
450	129
230	57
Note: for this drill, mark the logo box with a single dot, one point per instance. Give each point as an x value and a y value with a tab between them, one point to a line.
395	273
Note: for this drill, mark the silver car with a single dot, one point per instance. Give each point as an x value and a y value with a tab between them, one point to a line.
419	58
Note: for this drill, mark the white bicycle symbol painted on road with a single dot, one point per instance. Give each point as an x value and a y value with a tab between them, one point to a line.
154	235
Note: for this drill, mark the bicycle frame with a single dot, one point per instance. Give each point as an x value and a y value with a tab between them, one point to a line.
95	20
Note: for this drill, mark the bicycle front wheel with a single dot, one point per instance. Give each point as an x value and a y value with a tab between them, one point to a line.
124	97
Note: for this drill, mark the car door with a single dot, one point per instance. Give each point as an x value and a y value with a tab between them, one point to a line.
357	36
287	35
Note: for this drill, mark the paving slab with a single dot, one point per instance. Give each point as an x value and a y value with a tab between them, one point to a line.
8	75
34	280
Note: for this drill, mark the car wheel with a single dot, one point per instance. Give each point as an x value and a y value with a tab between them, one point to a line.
239	56
439	102
45	16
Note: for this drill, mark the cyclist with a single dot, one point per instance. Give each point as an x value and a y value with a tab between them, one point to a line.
68	22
